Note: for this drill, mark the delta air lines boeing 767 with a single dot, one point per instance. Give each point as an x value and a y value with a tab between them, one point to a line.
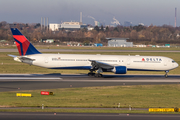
96	64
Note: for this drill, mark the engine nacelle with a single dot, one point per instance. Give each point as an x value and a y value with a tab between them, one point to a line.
120	70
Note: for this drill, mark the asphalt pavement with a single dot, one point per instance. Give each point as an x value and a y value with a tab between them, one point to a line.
84	116
18	82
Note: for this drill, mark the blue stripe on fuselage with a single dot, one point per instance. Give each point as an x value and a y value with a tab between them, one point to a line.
132	69
89	67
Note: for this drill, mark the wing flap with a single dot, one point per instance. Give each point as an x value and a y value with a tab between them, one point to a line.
96	64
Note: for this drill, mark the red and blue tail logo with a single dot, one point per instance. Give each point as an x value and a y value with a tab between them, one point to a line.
22	43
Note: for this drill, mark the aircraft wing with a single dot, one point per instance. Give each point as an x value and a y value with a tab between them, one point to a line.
96	64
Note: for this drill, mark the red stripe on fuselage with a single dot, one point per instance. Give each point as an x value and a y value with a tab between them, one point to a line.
24	41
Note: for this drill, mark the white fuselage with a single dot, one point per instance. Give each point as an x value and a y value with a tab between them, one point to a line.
80	61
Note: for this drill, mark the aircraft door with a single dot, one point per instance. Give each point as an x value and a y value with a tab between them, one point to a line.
46	59
128	61
165	62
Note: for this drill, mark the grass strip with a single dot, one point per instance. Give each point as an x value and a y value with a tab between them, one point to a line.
137	96
72	111
86	111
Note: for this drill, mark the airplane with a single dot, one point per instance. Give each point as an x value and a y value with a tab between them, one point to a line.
96	64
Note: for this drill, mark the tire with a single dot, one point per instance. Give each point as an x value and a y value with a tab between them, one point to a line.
96	75
100	75
166	75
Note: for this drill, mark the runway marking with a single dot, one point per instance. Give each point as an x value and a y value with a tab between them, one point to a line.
24	78
28	79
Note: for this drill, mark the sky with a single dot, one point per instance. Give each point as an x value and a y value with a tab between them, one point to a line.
156	12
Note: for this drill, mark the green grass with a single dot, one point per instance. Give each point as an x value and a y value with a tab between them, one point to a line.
75	111
85	111
139	96
8	65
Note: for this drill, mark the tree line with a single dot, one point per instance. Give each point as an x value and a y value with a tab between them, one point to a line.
165	34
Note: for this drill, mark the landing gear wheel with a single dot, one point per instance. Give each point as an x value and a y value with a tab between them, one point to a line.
91	74
166	75
98	75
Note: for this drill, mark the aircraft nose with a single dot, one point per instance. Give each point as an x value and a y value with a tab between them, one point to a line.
177	65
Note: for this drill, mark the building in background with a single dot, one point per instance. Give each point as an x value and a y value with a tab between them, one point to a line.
72	25
47	40
119	42
54	26
67	26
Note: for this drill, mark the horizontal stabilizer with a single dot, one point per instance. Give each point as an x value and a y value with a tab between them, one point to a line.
25	58
12	56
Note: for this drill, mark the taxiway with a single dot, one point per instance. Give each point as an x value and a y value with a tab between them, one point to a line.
17	82
85	116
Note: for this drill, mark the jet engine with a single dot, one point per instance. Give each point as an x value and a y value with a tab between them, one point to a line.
120	70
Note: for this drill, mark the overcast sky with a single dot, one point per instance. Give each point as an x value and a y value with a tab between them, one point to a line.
156	12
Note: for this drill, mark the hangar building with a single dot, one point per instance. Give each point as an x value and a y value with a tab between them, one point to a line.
67	26
119	42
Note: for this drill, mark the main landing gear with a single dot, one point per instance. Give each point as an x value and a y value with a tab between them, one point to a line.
96	70
166	74
97	74
91	74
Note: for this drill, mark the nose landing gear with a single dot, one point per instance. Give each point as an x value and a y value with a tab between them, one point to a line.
166	74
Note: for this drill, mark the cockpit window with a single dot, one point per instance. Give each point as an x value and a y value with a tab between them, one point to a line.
173	61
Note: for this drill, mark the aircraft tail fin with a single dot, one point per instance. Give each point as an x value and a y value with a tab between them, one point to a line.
23	45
